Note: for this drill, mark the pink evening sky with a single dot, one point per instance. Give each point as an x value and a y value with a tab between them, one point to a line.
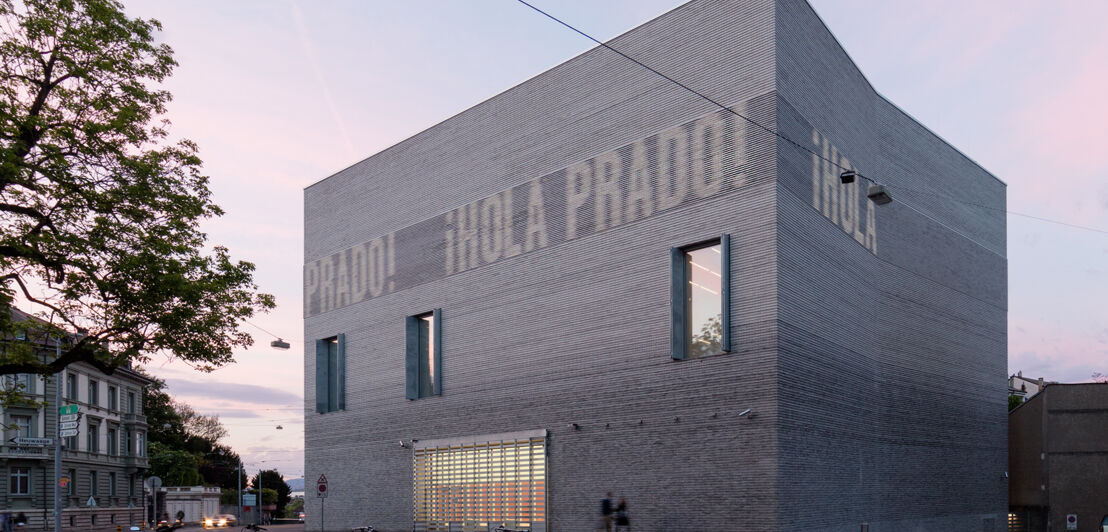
282	94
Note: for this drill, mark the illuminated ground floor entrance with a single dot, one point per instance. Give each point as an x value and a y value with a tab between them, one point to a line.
478	483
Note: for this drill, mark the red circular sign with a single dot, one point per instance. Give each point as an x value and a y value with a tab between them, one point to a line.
322	488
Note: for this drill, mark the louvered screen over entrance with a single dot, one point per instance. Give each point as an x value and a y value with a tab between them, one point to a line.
479	485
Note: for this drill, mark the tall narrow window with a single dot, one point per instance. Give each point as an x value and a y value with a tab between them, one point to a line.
330	374
112	484
93	392
92	483
700	299
141	445
131	485
93	438
22	426
113	442
424	355
71	387
113	398
129	449
20	481
130	402
72	486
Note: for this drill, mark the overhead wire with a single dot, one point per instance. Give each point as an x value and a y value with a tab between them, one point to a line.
798	145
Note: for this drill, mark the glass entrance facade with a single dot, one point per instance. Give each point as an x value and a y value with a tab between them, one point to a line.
478	485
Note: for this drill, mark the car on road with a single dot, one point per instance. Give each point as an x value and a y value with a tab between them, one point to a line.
219	521
301	518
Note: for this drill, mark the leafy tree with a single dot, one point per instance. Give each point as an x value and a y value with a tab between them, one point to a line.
1014	401
709	340
176	468
99	212
269	496
218	467
272	479
294	508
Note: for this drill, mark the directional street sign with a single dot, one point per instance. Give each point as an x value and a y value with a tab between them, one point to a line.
68	433
32	441
69	418
67	425
68	409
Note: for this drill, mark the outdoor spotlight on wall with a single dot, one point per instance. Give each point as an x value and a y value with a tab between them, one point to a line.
279	344
879	195
847	176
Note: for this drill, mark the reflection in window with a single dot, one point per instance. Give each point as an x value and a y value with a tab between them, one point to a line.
704	301
427	355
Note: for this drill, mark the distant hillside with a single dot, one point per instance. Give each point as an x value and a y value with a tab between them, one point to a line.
295	484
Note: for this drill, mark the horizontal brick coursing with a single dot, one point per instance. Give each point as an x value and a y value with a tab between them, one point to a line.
868	377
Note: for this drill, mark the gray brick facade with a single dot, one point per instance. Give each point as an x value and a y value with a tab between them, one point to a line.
868	342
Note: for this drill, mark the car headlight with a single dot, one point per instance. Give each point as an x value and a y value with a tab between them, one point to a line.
222	522
207	522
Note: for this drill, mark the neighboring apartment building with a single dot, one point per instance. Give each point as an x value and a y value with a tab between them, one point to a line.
598	281
104	462
1058	459
1024	387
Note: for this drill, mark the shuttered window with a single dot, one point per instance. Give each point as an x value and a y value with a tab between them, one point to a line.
700	299
330	374
477	485
423	355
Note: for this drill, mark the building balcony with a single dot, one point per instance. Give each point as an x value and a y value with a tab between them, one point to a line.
139	462
70	454
13	451
133	419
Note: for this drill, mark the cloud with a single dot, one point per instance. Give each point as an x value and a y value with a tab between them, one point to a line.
247	393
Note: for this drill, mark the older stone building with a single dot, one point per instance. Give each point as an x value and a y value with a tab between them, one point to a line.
104	462
600	281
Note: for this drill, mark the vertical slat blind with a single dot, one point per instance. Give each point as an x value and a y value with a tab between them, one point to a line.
472	487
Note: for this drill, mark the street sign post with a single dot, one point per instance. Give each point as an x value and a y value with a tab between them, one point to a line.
38	442
68	410
68	418
321	492
67	433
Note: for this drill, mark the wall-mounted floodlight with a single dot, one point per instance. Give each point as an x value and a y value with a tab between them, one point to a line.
847	176
279	344
879	195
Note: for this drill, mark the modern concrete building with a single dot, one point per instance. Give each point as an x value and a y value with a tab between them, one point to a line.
600	281
104	463
1058	445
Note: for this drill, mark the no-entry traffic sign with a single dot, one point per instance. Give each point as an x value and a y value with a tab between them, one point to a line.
321	487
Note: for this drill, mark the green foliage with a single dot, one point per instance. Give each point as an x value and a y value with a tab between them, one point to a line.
1014	401
176	468
178	427
709	340
99	212
269	496
272	479
294	508
229	496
